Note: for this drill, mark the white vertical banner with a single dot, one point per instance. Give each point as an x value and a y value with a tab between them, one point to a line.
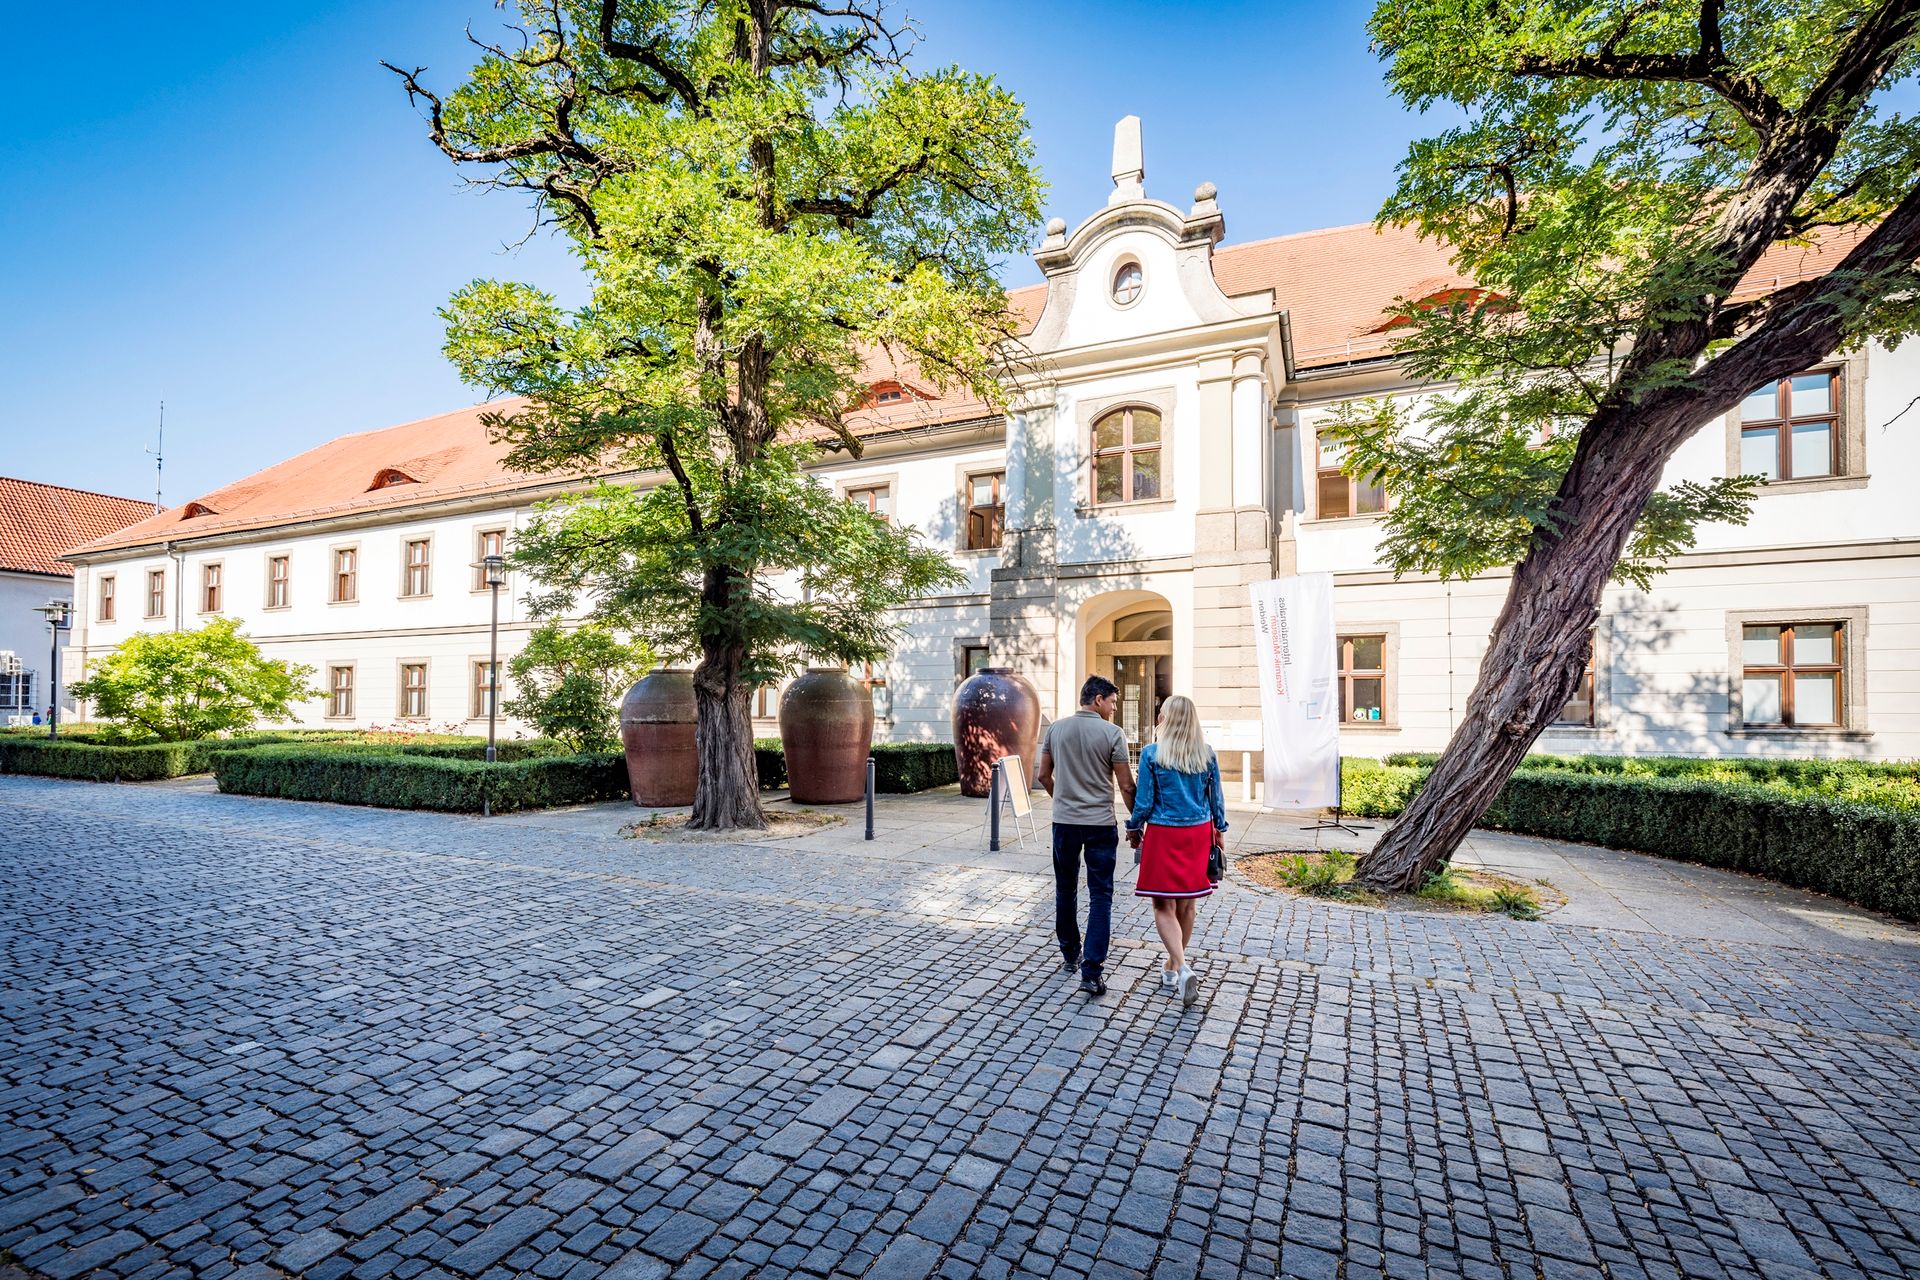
1295	662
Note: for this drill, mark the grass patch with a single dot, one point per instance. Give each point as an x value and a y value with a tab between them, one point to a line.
1329	875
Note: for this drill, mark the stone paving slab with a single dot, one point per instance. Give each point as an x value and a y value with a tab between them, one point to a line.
253	1038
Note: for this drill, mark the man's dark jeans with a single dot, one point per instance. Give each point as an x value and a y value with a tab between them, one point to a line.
1100	845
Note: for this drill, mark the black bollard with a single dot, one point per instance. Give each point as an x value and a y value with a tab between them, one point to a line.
869	797
993	810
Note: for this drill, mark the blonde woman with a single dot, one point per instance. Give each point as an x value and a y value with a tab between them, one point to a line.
1178	815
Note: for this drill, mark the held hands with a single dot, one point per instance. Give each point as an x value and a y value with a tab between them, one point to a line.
1133	839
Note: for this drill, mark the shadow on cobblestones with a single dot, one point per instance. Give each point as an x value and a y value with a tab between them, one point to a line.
253	1039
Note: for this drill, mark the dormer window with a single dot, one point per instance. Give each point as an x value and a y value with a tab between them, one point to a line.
391	476
1127	283
889	393
196	509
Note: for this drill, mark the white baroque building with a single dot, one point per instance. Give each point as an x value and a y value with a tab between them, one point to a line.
1161	455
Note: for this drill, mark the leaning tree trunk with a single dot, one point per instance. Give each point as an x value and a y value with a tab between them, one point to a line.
1540	641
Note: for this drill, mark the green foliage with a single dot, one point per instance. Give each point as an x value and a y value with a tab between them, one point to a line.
179	686
1516	901
416	780
568	683
1326	876
765	199
99	758
1369	789
1617	169
899	768
1846	828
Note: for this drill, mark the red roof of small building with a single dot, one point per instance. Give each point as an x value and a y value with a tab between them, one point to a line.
39	521
1336	286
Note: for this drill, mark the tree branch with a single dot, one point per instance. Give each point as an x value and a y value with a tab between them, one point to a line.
648	55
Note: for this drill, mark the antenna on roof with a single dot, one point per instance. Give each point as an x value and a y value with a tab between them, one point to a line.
158	462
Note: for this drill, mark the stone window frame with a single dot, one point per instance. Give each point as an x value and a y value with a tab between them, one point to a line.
476	707
333	689
765	696
961	646
407	544
1120	264
1601	665
1313	486
1853	618
333	573
1850	471
156	590
480	537
965	475
106	598
1162	400
845	488
213	586
1389	721
266	590
401	689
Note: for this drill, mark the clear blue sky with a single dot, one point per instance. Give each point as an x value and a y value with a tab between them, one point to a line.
231	207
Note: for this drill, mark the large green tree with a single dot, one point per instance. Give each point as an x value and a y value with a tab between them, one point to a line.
765	199
1622	166
181	685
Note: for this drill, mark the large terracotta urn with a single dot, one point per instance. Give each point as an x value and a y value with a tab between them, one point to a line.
826	731
656	730
995	713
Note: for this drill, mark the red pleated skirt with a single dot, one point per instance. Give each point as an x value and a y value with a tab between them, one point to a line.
1173	862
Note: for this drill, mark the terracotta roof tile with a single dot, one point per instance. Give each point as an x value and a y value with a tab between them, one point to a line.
39	521
1335	285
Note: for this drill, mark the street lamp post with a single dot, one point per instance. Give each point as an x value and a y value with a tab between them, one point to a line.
59	616
496	567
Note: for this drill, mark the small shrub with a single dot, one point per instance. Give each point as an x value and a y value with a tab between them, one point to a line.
899	768
1370	789
1515	901
1323	877
394	779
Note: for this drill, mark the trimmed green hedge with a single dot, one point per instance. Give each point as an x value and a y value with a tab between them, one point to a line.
90	760
899	768
1773	818
395	779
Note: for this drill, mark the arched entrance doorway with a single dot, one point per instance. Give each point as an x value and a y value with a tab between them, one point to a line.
1129	639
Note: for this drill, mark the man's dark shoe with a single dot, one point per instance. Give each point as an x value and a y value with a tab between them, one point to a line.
1095	986
1071	965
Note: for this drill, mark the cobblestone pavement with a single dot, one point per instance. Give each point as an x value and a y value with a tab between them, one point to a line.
248	1038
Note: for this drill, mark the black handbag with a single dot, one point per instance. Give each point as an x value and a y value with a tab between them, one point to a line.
1217	854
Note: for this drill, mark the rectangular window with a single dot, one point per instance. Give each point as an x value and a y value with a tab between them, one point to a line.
874	676
766	702
418	580
1793	675
973	660
346	575
413	690
339	693
1363	678
1790	429
106	598
279	576
1579	708
489	542
483	689
210	588
876	498
986	509
156	593
1340	494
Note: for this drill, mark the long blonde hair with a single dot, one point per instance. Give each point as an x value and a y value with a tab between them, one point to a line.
1182	749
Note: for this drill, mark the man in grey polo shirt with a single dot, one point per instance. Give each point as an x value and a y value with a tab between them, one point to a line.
1082	759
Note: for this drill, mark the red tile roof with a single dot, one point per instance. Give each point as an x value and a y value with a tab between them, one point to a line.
1335	285
39	521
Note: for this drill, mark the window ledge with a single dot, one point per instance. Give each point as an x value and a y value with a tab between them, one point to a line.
976	553
1369	726
1093	511
1781	731
1582	729
1813	484
1369	517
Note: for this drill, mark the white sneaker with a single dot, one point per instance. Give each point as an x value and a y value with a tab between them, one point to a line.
1169	980
1189	986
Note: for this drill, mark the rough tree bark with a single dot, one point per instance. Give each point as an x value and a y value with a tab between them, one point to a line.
1540	639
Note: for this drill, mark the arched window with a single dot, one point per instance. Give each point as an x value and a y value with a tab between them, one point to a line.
1127	283
1126	455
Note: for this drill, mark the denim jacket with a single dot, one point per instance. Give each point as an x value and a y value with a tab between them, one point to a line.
1175	799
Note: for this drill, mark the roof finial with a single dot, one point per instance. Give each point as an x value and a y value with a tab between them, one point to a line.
1129	162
